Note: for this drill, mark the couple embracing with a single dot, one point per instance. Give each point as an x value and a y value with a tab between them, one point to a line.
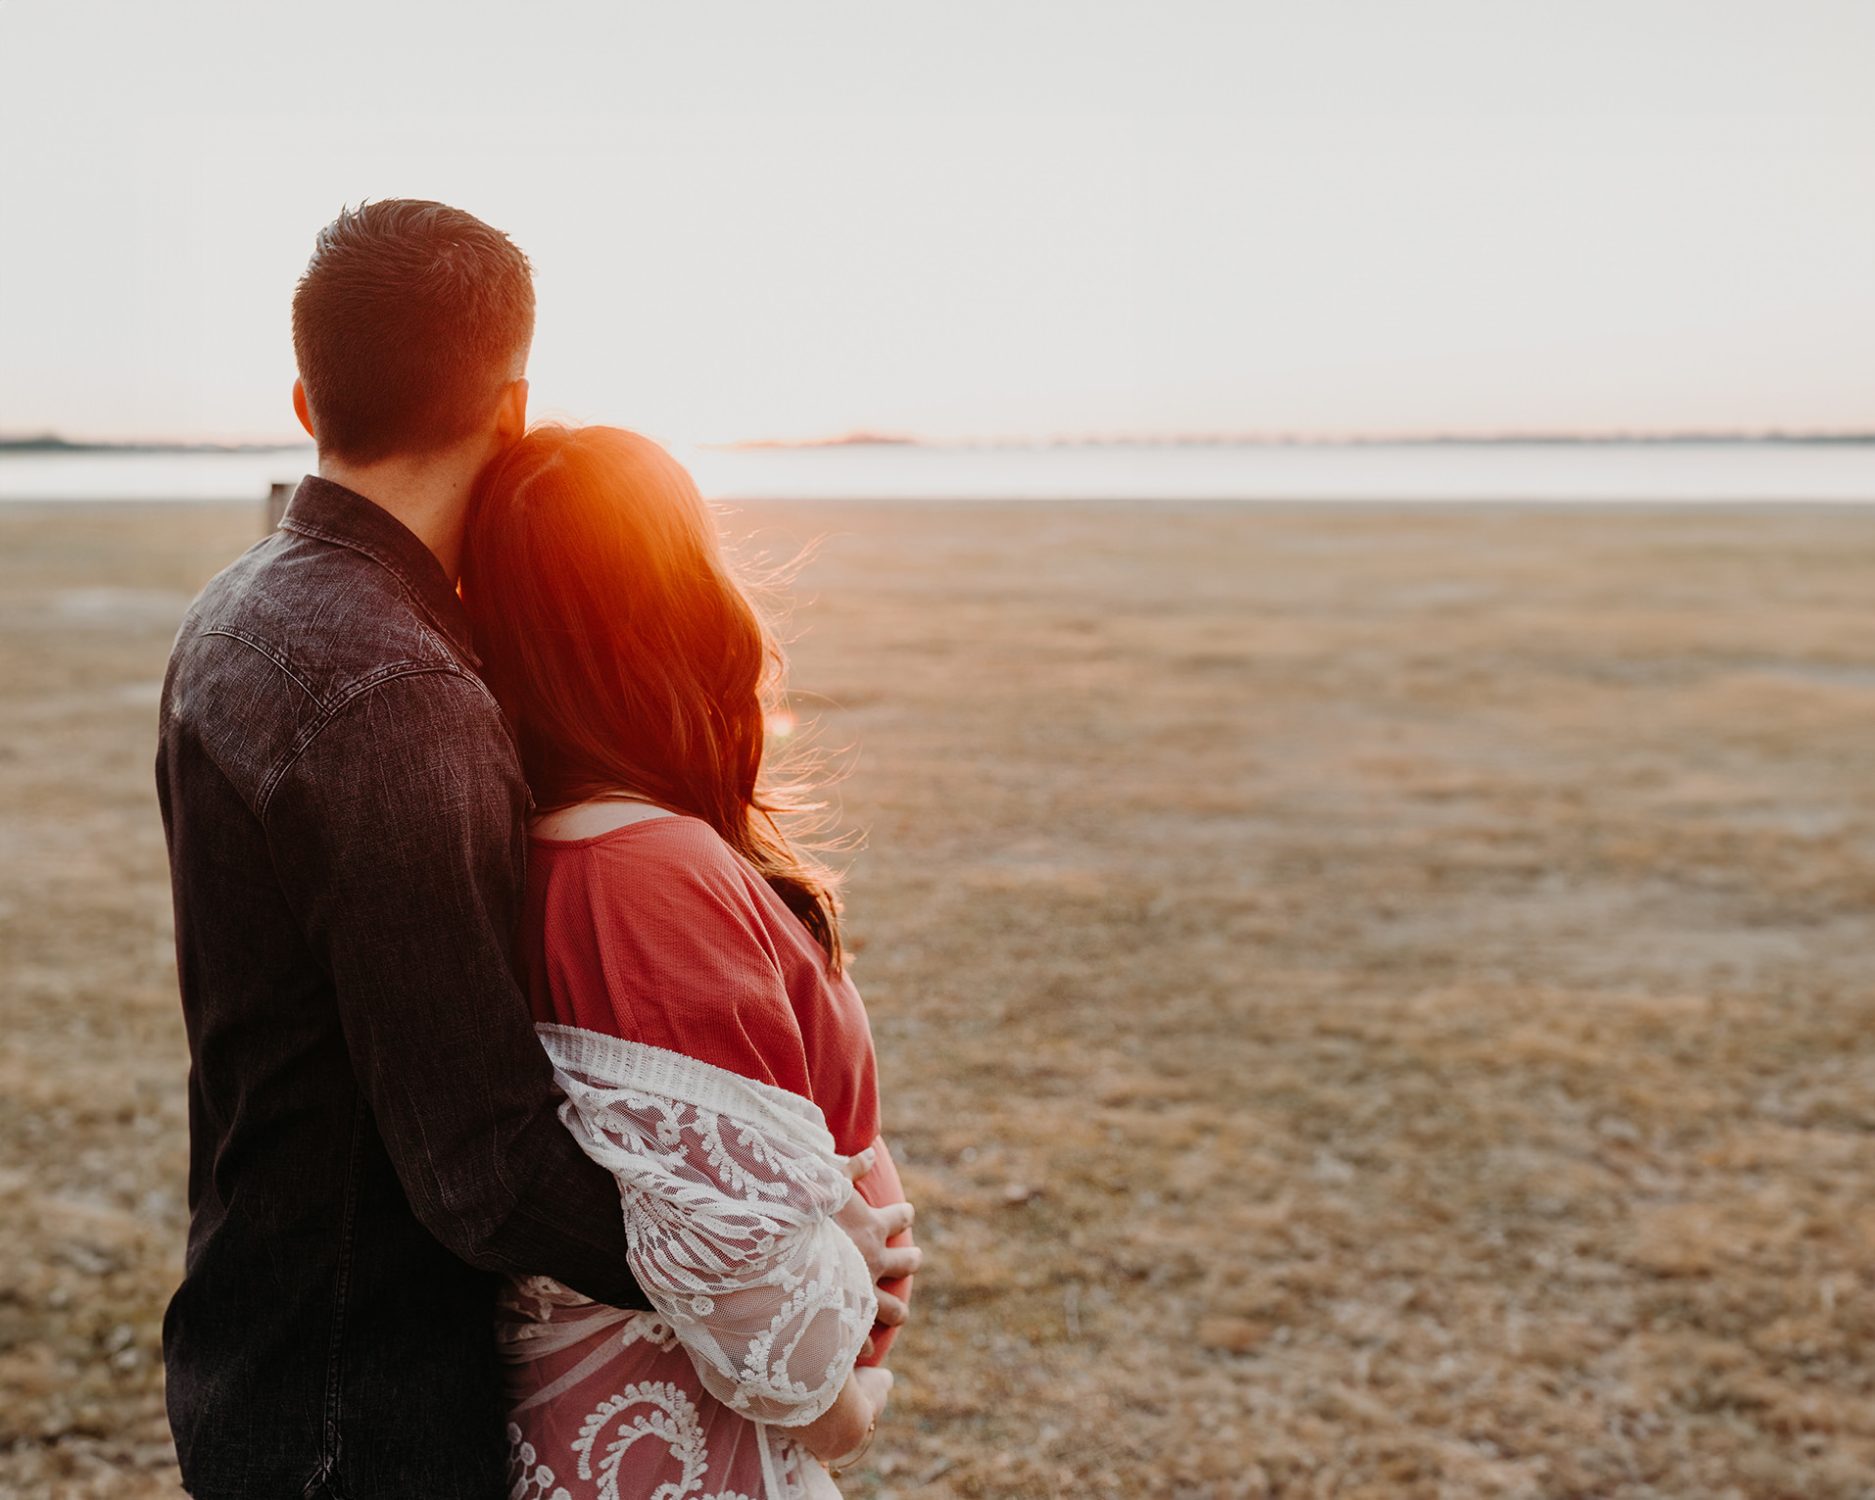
534	1124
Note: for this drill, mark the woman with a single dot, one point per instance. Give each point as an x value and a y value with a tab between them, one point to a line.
684	963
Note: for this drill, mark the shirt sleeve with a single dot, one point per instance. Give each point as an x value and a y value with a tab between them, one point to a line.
729	1188
397	837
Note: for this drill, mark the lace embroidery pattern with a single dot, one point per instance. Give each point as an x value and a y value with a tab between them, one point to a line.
729	1197
528	1477
728	1189
665	1414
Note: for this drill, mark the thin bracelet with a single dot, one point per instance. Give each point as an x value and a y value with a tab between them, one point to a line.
839	1466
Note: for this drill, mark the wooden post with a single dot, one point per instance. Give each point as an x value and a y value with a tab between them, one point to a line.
277	496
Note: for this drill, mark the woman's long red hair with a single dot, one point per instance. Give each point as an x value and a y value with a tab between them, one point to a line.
626	653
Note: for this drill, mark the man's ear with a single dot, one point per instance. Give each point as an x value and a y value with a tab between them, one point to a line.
302	409
511	414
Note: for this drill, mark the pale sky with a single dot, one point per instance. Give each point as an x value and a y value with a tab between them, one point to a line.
972	219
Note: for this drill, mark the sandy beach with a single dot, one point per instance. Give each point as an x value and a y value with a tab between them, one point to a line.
1372	1002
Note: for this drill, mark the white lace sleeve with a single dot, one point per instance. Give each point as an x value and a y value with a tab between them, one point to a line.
729	1188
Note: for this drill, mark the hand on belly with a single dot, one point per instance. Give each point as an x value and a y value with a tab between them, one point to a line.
879	1220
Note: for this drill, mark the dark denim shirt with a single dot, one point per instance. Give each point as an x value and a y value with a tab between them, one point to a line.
372	1122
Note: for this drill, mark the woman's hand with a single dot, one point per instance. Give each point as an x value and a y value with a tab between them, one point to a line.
875	1385
843	1428
870	1228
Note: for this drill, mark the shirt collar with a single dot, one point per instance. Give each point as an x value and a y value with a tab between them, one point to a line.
331	513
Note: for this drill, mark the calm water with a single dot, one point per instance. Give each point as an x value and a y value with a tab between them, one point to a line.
1675	473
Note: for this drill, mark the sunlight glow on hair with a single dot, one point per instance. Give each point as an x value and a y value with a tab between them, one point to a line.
631	656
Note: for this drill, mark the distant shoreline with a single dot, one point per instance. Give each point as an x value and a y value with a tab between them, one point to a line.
1779	469
1314	440
50	444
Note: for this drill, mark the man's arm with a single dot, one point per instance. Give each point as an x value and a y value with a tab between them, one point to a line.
398	841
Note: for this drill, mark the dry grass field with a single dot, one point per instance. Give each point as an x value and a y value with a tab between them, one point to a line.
1373	1002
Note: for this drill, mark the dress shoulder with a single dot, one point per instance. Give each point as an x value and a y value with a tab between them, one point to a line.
659	932
669	844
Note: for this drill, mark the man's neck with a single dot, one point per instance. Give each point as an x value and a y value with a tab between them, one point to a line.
430	495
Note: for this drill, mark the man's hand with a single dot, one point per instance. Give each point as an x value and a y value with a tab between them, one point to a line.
870	1228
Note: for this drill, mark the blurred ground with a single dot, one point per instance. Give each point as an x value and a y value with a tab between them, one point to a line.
1372	1002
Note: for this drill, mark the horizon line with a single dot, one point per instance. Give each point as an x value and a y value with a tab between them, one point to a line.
53	442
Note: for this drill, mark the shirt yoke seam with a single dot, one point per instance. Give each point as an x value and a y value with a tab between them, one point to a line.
273	654
390	673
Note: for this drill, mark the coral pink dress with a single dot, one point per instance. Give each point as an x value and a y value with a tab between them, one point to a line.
713	1065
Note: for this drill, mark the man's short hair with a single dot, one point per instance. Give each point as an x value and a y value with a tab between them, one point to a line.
411	319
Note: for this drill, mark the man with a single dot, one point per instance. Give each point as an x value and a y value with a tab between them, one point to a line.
344	809
373	1123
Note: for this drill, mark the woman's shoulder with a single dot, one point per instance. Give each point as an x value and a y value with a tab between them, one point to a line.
584	821
665	843
668	866
662	926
